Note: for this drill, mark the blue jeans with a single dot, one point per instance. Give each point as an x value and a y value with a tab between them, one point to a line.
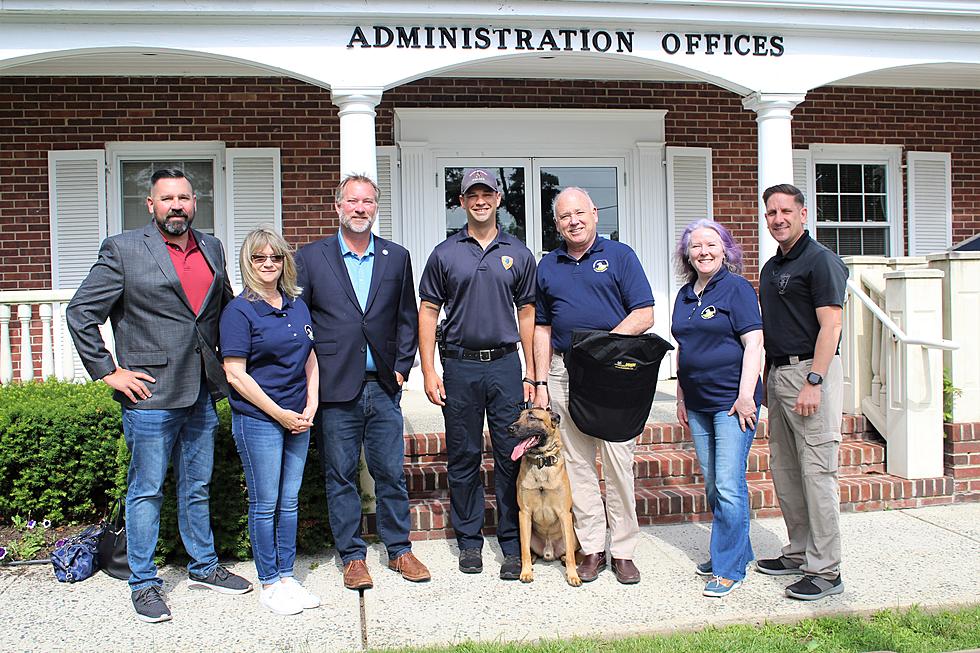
273	460
723	450
372	419
154	438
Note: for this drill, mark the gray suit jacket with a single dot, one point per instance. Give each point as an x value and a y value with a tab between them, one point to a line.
133	283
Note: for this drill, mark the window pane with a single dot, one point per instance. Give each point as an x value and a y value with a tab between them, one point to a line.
510	215
827	208
874	179
135	186
602	187
851	208
826	177
874	208
850	178
874	241
827	238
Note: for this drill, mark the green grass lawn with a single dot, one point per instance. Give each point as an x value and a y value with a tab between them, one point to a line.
912	631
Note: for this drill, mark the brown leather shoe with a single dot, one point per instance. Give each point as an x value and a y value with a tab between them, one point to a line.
591	565
356	576
410	568
626	571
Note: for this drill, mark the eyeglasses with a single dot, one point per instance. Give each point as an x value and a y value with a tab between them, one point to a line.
259	259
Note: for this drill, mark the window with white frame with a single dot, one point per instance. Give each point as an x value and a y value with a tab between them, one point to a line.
857	198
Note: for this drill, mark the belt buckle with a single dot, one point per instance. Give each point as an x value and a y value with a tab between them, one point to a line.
485	355
793	360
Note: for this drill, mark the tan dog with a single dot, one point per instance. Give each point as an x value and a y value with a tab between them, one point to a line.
544	495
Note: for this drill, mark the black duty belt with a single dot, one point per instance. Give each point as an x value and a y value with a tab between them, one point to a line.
370	376
484	355
779	361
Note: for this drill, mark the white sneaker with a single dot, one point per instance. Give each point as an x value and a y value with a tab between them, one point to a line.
279	599
307	599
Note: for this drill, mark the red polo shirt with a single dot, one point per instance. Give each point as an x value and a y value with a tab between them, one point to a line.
192	269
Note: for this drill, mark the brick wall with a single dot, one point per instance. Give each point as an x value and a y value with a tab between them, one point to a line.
41	114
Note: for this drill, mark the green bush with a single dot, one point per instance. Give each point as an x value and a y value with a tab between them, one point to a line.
63	456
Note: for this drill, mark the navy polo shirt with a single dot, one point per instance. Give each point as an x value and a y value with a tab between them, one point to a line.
595	292
708	332
479	288
791	288
275	344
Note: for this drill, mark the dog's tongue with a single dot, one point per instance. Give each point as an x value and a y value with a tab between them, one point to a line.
523	446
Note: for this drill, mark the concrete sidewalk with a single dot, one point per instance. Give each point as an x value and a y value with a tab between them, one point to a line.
927	556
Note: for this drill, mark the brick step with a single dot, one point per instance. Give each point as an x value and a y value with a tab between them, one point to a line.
659	467
431	447
870	492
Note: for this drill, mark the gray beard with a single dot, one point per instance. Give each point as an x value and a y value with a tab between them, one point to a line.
175	228
348	224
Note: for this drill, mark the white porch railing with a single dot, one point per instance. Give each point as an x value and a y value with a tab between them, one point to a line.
892	353
34	336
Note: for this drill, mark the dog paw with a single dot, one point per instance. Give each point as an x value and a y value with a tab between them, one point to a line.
574	581
527	576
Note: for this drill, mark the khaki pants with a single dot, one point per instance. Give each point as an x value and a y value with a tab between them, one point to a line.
804	454
617	465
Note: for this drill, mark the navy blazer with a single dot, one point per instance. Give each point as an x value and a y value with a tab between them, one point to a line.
342	331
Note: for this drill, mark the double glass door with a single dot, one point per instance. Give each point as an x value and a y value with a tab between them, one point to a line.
528	187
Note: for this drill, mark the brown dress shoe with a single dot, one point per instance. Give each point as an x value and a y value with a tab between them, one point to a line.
591	565
356	576
626	571
410	568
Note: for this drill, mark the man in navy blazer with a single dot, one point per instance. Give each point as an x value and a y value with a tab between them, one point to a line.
361	295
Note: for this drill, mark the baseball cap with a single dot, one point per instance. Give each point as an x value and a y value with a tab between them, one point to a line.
474	176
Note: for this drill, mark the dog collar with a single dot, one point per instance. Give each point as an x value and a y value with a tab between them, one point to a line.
544	461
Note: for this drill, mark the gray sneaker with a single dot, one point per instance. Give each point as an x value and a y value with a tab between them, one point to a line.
780	566
704	569
221	580
150	606
471	561
510	568
812	588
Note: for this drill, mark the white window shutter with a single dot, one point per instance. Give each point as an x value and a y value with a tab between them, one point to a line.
388	209
689	187
801	174
930	202
77	202
254	198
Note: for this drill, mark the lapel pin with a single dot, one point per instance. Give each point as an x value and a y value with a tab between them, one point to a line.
385	252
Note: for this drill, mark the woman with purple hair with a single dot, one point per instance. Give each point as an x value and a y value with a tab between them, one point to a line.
718	329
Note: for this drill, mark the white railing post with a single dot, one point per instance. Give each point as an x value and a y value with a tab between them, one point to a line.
913	300
67	347
47	346
961	318
26	355
6	354
861	333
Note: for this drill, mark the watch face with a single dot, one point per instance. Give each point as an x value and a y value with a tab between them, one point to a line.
814	379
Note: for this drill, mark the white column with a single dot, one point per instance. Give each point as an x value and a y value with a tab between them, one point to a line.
26	356
357	137
47	346
774	113
6	357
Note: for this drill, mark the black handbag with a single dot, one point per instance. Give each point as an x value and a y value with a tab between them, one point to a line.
112	544
77	557
612	379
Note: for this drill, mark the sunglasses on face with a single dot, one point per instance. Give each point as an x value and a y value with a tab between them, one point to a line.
259	259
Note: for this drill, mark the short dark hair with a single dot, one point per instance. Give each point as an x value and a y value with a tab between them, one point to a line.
168	173
784	189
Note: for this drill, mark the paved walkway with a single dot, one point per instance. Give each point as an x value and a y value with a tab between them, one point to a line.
927	556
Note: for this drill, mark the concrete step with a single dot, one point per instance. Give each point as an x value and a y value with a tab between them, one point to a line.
684	503
656	467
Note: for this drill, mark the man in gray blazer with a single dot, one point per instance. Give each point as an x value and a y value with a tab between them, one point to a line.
163	288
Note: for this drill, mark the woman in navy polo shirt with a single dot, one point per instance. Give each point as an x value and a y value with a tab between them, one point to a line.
267	345
718	328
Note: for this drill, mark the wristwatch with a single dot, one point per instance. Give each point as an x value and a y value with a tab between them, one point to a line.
814	379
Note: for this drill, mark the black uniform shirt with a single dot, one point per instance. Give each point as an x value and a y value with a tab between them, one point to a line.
791	288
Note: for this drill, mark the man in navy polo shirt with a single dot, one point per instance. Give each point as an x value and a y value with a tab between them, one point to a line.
478	276
590	283
801	290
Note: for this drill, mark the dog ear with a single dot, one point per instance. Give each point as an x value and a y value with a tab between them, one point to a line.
555	417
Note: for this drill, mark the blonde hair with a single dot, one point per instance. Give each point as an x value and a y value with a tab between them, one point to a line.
257	240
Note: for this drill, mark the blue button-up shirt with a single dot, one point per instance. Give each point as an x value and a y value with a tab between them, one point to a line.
360	269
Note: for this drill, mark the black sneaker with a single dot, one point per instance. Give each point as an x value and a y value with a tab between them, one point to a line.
704	569
470	561
150	606
221	580
510	568
780	566
811	588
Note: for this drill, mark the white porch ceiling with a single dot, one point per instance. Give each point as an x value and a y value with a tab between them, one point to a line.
949	75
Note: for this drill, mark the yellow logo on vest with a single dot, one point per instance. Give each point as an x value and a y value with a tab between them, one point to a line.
507	261
601	265
708	313
624	365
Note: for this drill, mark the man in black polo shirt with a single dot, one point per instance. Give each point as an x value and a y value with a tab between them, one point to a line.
478	276
801	290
